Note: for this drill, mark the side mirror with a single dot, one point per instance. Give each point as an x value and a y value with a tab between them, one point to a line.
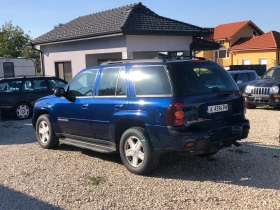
239	82
59	92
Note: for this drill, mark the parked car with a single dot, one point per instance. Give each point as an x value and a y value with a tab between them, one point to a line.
144	108
244	78
264	91
18	94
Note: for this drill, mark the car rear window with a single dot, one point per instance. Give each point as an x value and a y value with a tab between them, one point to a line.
151	80
189	78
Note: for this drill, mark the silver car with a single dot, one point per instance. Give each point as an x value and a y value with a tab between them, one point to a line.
244	77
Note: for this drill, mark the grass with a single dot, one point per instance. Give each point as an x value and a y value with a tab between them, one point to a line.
94	180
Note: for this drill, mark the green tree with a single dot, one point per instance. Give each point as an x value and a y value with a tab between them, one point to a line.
13	44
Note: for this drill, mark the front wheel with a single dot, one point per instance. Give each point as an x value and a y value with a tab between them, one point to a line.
136	151
45	134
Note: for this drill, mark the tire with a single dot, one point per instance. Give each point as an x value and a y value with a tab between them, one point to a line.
22	111
139	159
250	106
207	154
45	134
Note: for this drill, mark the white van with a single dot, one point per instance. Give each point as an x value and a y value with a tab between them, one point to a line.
12	67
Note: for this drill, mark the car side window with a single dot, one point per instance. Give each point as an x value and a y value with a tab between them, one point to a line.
151	80
251	76
10	86
55	83
113	82
82	85
242	77
35	85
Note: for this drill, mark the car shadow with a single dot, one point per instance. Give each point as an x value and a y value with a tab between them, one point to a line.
251	165
11	199
16	131
103	156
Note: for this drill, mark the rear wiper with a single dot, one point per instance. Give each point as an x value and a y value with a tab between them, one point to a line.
223	95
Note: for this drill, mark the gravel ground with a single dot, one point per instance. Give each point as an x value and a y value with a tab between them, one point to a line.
247	177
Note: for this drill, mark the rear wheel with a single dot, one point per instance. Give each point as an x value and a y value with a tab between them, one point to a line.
250	106
136	151
45	134
22	110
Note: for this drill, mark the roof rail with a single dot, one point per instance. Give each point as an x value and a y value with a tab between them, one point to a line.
131	61
167	57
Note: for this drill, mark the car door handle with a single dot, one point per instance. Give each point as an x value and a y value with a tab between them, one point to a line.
84	106
120	106
30	96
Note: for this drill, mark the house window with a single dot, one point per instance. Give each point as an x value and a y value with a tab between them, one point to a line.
246	61
255	33
63	70
222	53
8	69
263	61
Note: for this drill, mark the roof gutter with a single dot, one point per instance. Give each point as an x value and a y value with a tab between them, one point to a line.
78	39
41	56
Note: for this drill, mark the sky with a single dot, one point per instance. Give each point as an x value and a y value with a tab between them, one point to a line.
38	17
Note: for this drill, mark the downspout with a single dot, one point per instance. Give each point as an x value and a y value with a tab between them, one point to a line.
41	56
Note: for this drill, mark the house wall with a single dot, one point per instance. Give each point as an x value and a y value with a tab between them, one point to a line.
139	43
254	56
76	52
209	54
86	53
245	32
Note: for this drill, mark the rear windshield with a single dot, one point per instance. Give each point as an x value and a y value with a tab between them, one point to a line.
191	78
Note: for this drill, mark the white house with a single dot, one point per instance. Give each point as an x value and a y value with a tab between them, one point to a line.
128	32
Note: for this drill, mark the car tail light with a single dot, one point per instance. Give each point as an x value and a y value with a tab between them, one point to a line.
175	114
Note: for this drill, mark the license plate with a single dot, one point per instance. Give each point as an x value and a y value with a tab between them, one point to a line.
258	98
217	108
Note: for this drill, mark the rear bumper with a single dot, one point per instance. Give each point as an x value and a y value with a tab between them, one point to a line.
209	141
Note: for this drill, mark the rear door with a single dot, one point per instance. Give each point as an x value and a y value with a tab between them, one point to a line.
210	95
33	89
110	101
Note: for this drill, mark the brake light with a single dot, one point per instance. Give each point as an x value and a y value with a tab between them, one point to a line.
175	114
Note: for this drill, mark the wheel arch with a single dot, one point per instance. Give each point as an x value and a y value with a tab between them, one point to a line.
124	124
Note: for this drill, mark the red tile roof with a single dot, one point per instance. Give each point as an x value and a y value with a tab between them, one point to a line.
228	30
270	40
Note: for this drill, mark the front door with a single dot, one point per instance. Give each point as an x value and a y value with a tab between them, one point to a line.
111	98
74	116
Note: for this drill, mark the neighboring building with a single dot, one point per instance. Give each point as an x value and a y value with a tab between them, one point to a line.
12	67
127	32
264	49
227	35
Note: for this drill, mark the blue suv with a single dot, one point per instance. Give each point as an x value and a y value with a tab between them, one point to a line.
144	108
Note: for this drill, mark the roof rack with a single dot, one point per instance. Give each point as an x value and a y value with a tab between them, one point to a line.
153	60
131	61
167	57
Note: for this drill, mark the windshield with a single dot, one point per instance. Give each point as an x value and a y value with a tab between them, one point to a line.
272	74
191	78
